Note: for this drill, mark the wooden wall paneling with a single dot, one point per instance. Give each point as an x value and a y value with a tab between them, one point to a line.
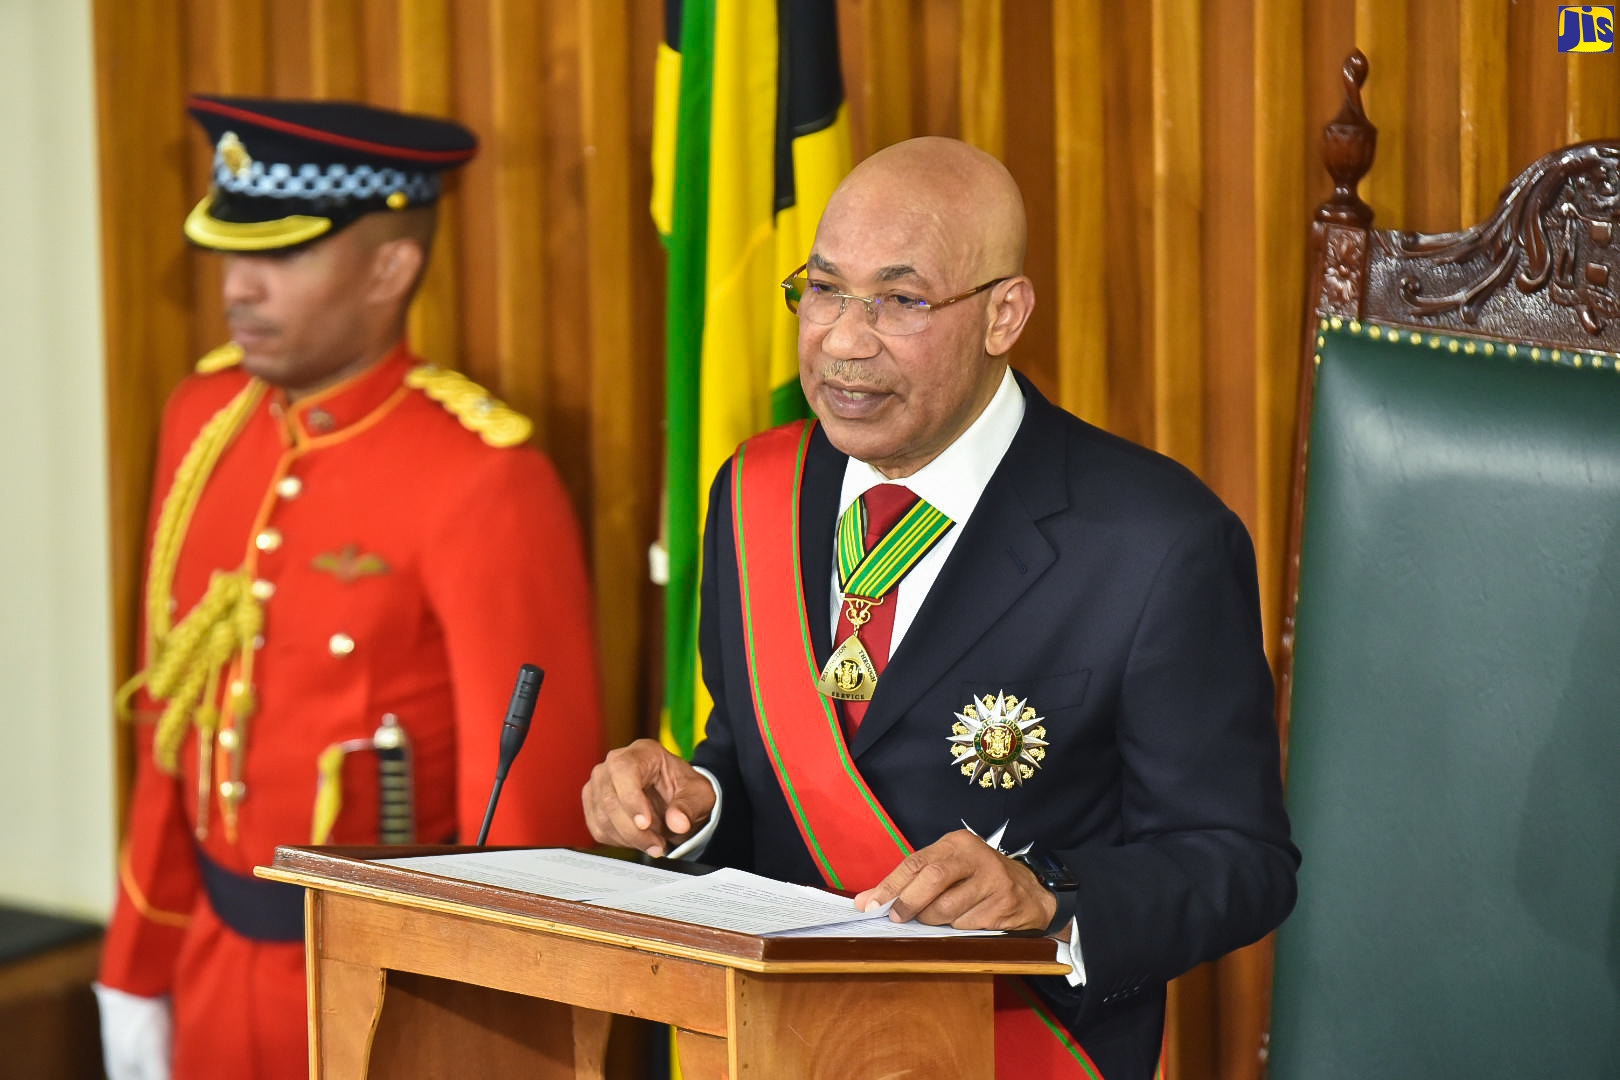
1330	34
1178	192
1381	29
140	49
983	82
1278	205
225	54
876	51
499	44
291	39
1536	70
1282	197
1221	247
619	429
1126	255
1482	107
936	35
426	85
228	51
1227	249
336	58
1433	179
504	156
1592	88
1026	102
1077	292
566	361
644	281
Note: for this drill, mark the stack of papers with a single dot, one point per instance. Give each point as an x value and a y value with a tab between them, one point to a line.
724	899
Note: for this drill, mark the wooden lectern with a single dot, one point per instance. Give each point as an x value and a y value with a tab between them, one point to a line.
413	975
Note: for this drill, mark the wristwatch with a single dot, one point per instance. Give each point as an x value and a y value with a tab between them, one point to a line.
1056	879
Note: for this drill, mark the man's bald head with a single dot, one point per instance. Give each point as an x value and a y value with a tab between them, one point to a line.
930	226
970	194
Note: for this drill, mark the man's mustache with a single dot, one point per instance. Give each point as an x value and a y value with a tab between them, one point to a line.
243	318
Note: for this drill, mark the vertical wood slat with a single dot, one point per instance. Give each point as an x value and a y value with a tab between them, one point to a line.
1482	100
336	60
618	430
1081	164
482	80
521	271
1592	90
1177	350
425	87
878	73
1226	252
1280	205
937	74
1381	31
144	299
983	84
1127	252
567	385
215	63
1432	117
1030	153
1537	83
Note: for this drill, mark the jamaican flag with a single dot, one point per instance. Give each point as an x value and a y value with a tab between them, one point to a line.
750	138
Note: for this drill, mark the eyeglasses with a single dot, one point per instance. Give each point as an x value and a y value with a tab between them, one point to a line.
895	314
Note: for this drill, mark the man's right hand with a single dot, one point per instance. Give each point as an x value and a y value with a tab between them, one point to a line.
136	1035
644	797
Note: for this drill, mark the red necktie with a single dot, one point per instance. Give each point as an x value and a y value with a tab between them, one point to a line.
886	504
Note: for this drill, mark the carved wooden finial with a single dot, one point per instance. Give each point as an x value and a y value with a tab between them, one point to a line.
1348	143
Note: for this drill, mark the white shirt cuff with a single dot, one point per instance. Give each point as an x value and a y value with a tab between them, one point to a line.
1068	952
694	844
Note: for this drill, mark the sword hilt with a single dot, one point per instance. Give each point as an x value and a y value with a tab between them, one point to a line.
396	804
396	817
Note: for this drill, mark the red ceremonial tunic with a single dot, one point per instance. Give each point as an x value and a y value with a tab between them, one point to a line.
403	566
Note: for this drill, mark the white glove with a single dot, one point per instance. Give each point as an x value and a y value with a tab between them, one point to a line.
137	1035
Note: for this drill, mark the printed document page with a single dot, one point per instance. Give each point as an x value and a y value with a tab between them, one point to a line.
737	900
559	872
725	899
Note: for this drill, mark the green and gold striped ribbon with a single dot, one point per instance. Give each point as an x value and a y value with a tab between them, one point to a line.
872	574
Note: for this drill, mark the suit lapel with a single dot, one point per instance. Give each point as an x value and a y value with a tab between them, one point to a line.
1000	555
818	520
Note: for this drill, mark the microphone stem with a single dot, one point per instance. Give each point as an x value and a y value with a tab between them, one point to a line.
489	813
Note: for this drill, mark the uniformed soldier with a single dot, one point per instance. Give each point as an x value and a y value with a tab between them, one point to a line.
340	533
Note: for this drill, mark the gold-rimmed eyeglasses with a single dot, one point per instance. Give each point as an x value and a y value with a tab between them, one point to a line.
895	313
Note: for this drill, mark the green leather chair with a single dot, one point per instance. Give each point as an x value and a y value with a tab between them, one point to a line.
1452	701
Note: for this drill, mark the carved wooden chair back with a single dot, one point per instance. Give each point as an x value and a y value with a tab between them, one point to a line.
1451	670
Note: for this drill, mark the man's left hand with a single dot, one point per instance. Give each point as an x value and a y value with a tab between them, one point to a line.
962	881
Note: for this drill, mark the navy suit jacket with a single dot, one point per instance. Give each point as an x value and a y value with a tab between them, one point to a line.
1109	586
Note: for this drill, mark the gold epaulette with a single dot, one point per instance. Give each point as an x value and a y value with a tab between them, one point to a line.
227	355
478	410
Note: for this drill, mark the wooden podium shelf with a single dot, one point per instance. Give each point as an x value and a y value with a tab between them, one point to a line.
414	975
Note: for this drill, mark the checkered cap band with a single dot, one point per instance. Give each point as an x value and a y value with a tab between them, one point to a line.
281	181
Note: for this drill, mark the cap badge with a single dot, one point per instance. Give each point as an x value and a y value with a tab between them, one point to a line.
235	155
998	741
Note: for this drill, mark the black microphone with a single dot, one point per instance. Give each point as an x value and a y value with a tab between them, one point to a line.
514	729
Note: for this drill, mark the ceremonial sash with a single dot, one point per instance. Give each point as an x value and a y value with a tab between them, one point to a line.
845	828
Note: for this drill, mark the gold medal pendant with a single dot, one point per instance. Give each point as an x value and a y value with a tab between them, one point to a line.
850	674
